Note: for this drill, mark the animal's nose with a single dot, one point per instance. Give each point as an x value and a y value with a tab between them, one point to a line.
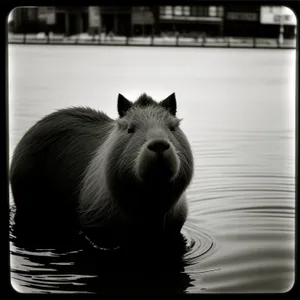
158	145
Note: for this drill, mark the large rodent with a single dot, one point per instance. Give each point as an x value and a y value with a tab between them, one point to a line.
82	167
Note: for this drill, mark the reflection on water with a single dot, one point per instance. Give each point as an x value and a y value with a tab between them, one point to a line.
72	265
239	236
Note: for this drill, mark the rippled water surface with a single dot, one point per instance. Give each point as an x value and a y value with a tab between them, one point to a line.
238	108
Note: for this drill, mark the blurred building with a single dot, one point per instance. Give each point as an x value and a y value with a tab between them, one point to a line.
25	19
241	20
68	20
189	19
143	21
137	20
115	19
274	17
255	20
72	20
233	19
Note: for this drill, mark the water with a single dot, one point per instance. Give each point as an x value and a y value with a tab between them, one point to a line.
238	108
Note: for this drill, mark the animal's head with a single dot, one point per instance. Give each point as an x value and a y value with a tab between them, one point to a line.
150	155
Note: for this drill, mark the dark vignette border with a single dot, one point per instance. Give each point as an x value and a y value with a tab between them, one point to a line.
5	286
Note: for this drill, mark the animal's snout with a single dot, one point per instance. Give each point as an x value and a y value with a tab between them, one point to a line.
158	145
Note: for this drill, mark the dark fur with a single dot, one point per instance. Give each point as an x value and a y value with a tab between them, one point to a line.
80	166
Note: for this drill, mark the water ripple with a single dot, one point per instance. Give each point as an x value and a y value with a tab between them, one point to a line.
199	243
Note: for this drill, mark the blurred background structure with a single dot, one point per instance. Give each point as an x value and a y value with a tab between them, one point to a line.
273	24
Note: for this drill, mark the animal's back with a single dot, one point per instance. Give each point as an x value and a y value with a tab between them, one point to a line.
50	160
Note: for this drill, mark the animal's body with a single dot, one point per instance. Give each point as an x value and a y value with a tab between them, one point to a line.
79	167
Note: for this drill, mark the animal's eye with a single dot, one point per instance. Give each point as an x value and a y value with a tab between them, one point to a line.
172	128
130	130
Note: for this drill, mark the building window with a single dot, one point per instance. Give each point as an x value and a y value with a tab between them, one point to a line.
186	10
31	13
220	11
277	18
194	11
42	13
169	10
199	11
162	10
202	11
212	11
178	10
205	11
24	13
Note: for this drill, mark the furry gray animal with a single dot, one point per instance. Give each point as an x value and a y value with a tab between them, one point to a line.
79	166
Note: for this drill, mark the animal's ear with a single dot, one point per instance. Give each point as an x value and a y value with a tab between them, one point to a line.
123	105
170	104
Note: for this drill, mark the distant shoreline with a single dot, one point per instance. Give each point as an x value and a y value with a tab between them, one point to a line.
216	42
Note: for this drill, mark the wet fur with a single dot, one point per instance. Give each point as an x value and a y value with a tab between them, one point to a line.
77	164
